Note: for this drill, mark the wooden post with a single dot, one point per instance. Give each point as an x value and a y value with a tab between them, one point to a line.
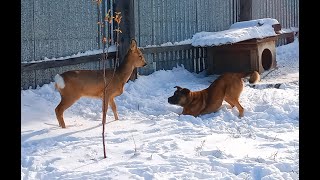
245	10
127	28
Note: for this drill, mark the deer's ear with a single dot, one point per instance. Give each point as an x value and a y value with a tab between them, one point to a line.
178	87
133	44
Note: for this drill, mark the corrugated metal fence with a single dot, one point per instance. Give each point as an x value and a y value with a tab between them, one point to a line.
53	29
285	11
57	28
162	21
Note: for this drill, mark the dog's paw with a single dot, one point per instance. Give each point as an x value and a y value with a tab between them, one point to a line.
230	107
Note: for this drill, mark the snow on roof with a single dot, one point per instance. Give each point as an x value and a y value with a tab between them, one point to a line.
255	22
240	31
288	30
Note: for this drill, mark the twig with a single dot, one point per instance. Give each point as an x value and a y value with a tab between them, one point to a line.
269	72
135	147
105	41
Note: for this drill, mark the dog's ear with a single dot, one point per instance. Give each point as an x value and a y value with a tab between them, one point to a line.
178	87
185	91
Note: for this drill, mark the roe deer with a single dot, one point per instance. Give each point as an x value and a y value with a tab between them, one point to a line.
74	84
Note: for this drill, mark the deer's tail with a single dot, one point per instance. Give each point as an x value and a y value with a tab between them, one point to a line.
59	82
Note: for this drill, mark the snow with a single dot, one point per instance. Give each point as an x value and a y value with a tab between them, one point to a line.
183	42
239	31
289	30
187	41
254	22
79	54
151	141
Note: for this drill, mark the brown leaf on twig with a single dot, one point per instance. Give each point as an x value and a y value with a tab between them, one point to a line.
104	40
118	30
118	17
108	18
97	1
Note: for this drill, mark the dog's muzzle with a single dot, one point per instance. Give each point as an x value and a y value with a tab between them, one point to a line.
172	100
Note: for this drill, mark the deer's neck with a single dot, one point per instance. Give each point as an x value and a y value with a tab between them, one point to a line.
125	70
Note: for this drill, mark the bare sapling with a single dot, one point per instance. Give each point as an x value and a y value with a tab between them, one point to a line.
104	84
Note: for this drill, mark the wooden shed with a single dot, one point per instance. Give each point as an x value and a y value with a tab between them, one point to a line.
249	55
245	46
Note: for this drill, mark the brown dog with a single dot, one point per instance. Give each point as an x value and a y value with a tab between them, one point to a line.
74	84
226	87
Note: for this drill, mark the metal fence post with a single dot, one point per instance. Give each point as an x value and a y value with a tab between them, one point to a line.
245	10
127	27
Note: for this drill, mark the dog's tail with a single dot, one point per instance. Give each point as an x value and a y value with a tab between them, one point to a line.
254	76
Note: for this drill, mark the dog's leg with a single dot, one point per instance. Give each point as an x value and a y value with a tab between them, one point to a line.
232	96
238	105
214	107
227	99
66	102
240	108
114	108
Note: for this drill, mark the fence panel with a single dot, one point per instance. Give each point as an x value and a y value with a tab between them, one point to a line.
57	28
52	29
162	21
167	57
285	11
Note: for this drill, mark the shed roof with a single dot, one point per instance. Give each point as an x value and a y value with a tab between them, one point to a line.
239	31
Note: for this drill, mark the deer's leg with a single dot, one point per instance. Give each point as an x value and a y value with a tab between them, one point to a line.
65	103
105	110
114	108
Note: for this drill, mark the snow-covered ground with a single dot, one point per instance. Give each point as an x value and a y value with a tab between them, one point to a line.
151	141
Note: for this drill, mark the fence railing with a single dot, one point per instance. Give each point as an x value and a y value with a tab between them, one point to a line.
149	22
167	57
158	58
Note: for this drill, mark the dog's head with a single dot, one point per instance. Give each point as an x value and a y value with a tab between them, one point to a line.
180	96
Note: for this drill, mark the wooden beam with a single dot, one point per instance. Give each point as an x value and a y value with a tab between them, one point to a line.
29	66
58	63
